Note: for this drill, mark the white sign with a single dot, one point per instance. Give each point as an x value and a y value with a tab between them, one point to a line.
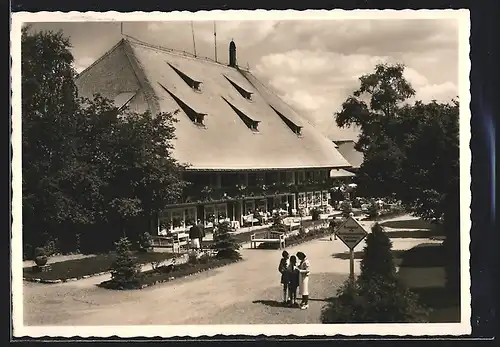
351	233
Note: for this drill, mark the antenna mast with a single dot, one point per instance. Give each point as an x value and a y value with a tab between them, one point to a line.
194	43
121	28
215	42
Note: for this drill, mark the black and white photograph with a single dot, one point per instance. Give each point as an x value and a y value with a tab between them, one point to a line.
241	172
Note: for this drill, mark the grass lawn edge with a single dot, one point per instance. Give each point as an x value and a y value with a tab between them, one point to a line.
171	278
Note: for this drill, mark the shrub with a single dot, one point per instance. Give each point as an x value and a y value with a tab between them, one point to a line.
51	247
125	271
346	208
381	300
377	296
315	214
145	241
40	252
377	259
373	209
226	245
278	223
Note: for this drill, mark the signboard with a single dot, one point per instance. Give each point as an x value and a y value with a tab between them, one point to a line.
351	233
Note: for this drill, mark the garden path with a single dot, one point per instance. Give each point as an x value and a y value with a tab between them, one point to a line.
245	292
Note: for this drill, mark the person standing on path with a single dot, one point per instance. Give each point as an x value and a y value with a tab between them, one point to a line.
282	268
194	236
304	271
293	280
201	228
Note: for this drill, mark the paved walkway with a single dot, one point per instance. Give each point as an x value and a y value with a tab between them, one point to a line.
246	292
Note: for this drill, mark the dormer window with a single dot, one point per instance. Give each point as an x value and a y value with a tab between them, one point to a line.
195	85
196	117
252	124
297	129
243	92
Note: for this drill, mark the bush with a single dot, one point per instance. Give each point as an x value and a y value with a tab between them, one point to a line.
315	214
40	252
145	242
373	210
346	208
377	259
278	224
125	271
380	300
376	296
226	245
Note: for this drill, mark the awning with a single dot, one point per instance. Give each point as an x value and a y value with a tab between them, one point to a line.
341	173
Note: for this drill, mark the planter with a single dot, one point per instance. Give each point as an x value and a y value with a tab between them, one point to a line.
41	260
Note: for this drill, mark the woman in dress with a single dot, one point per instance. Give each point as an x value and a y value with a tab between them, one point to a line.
304	280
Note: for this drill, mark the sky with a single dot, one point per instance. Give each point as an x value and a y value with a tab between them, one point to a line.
313	65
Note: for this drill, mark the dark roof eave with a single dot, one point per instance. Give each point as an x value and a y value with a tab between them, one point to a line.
268	169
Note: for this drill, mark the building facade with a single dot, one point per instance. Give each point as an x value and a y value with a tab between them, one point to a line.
246	150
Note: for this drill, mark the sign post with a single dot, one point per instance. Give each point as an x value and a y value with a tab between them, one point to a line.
351	233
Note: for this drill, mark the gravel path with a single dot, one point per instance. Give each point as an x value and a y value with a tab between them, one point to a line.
246	292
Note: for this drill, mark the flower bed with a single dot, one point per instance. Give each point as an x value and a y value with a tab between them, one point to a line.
299	238
171	272
71	270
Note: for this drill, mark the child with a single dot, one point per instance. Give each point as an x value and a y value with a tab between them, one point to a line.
293	280
282	267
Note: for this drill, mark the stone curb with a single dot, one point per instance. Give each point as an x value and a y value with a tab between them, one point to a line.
41	280
174	278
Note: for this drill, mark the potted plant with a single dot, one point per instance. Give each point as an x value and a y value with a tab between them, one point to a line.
40	257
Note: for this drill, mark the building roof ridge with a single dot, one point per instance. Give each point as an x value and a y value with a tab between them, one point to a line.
185	54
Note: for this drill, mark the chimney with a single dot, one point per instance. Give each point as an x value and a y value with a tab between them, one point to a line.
232	54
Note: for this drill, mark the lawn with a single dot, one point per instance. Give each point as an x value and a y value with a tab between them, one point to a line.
408	224
445	308
423	255
79	268
396	255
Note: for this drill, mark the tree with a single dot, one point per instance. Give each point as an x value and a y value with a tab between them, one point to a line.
125	271
377	260
89	168
49	132
376	296
410	150
226	245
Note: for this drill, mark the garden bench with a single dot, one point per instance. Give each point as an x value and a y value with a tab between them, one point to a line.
175	241
271	237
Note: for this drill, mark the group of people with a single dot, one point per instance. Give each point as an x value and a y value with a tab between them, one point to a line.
295	275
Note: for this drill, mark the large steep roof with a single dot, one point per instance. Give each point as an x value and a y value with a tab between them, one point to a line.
237	133
346	148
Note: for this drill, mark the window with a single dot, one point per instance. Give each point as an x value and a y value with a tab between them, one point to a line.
249	122
262	205
290	177
297	129
310	198
317	198
301	177
196	117
302	200
190	214
243	179
324	195
195	85
244	93
249	207
261	178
